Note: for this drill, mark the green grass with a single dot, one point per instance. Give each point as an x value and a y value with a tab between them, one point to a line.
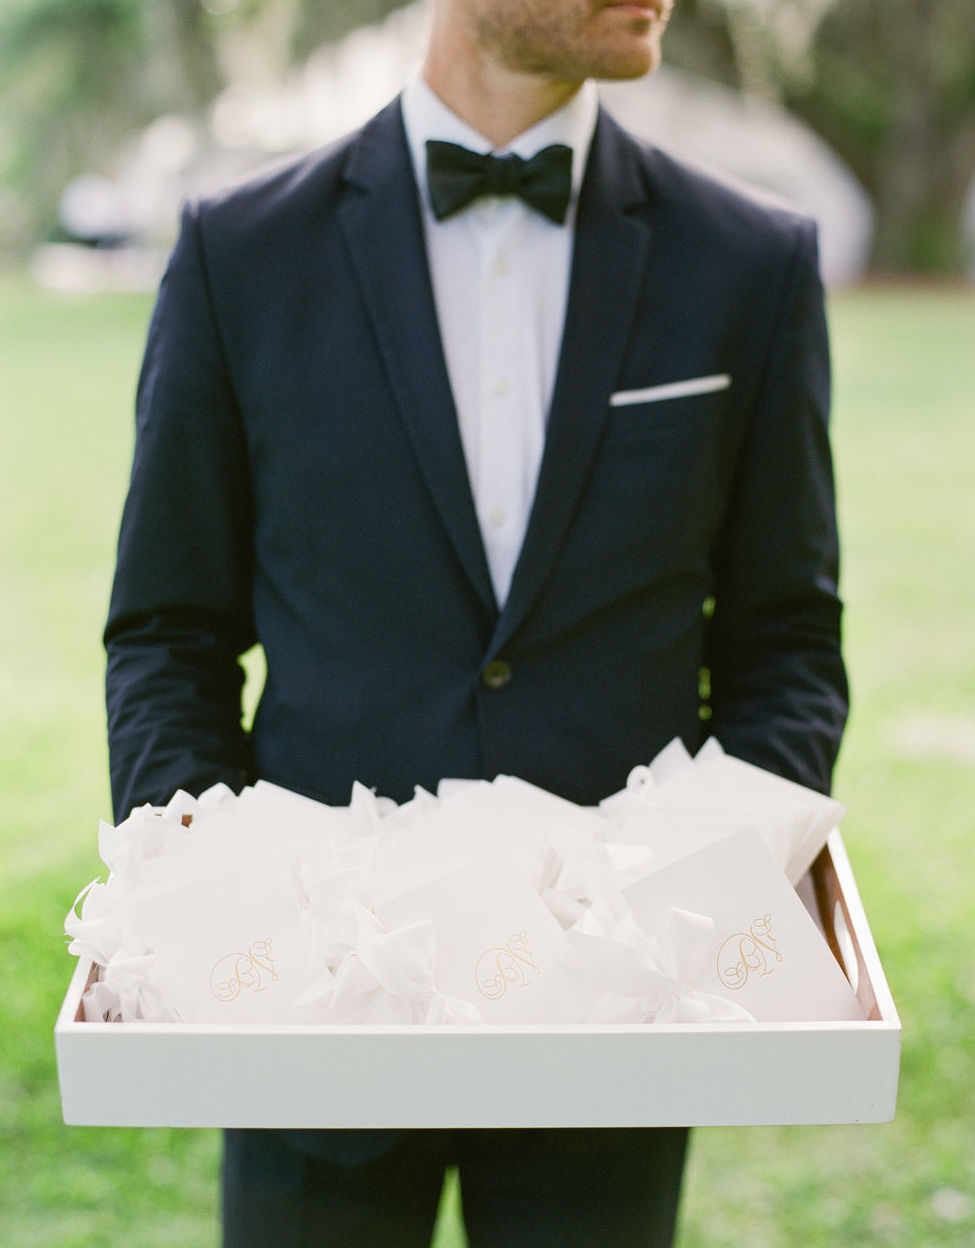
905	443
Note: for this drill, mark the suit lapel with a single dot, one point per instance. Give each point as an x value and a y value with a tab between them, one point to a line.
380	217
607	275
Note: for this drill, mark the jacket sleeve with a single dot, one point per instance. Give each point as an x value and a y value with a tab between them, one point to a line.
180	613
779	693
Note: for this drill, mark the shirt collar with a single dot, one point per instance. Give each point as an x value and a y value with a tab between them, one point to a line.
426	116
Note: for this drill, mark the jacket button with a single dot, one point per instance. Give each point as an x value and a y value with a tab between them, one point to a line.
496	675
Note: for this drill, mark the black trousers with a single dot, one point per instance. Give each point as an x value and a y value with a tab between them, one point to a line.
520	1188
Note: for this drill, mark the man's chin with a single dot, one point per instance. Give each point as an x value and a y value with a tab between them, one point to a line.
632	64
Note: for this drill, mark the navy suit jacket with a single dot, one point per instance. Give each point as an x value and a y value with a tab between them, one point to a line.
299	481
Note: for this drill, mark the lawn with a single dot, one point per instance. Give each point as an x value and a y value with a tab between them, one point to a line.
905	445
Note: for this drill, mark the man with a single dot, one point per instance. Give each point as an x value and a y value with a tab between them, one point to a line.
493	485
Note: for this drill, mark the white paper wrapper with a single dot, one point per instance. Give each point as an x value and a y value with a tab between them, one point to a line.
497	946
487	903
678	805
761	950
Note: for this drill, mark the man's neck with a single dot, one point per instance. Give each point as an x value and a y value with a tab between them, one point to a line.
497	102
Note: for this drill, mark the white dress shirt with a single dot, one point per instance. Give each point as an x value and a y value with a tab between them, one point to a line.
500	274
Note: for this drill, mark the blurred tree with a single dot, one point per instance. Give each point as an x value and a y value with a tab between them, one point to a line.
70	80
79	77
889	84
322	22
894	93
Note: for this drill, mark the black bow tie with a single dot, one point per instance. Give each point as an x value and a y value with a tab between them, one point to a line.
456	177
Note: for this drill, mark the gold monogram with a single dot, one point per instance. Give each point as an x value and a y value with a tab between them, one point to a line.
235	973
748	953
499	968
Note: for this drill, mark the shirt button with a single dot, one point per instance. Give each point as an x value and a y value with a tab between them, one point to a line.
501	387
501	267
498	517
496	675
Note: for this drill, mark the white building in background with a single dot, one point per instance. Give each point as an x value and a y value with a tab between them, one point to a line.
759	144
344	83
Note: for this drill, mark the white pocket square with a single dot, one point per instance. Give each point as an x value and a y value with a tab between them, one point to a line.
672	390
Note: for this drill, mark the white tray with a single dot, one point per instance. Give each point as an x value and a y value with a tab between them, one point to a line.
701	1074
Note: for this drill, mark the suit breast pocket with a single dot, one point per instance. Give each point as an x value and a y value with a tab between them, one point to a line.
672	459
692	417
